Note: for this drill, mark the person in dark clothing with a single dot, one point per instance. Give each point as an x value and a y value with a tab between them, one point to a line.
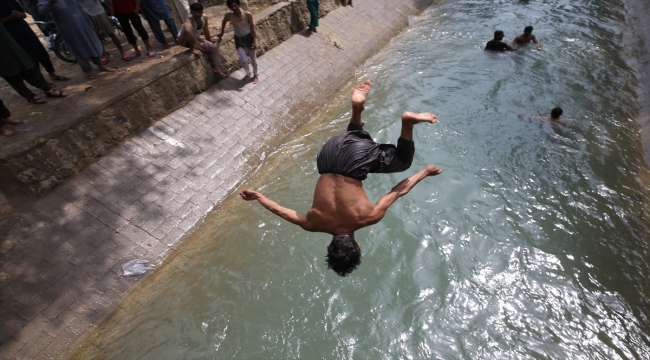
340	205
13	18
497	44
16	67
126	12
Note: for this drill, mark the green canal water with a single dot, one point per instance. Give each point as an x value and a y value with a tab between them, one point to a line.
532	244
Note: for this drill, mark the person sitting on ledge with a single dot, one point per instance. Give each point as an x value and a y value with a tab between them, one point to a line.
497	44
190	36
340	205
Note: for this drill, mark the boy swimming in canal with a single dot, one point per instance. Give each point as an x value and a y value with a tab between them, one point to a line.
341	206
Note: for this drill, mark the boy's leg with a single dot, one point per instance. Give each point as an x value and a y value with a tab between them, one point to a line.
252	56
154	25
126	27
243	57
171	25
409	119
16	82
359	95
137	24
213	52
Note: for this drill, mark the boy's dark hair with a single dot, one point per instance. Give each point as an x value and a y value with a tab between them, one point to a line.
528	29
196	7
230	2
556	112
343	255
497	33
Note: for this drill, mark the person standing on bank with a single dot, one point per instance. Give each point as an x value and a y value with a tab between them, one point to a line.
190	36
16	67
13	18
126	12
245	36
100	21
312	6
154	11
76	29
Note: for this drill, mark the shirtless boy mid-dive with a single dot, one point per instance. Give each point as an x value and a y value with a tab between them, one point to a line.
340	205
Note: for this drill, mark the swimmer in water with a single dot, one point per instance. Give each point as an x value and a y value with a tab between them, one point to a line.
526	37
340	205
497	43
554	119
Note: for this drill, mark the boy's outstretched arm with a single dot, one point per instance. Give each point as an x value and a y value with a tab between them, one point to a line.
399	190
291	216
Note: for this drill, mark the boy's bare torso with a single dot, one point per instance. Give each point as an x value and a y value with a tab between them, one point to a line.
340	205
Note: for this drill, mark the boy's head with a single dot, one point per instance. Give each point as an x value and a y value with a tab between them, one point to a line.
498	34
343	254
528	30
556	113
196	9
232	4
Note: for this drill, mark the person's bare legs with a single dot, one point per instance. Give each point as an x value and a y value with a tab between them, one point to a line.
118	44
358	99
149	48
409	119
136	49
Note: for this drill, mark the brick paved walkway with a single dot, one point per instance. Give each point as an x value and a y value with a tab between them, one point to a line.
61	275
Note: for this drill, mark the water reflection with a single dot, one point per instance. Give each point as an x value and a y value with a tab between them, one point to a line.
532	244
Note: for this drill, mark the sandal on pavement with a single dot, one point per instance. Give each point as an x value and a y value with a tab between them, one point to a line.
104	60
56	93
126	57
60	78
37	100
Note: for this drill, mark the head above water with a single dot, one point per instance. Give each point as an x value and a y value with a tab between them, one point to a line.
556	113
528	30
498	34
343	254
230	3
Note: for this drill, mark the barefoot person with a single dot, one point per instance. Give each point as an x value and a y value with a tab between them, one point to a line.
341	206
4	119
526	37
190	36
245	36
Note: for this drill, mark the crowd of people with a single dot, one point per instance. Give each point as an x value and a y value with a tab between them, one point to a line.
81	23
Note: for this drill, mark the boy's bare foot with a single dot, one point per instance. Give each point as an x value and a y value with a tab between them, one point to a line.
256	79
247	78
196	51
150	52
359	94
219	72
6	132
166	46
413	118
11	121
